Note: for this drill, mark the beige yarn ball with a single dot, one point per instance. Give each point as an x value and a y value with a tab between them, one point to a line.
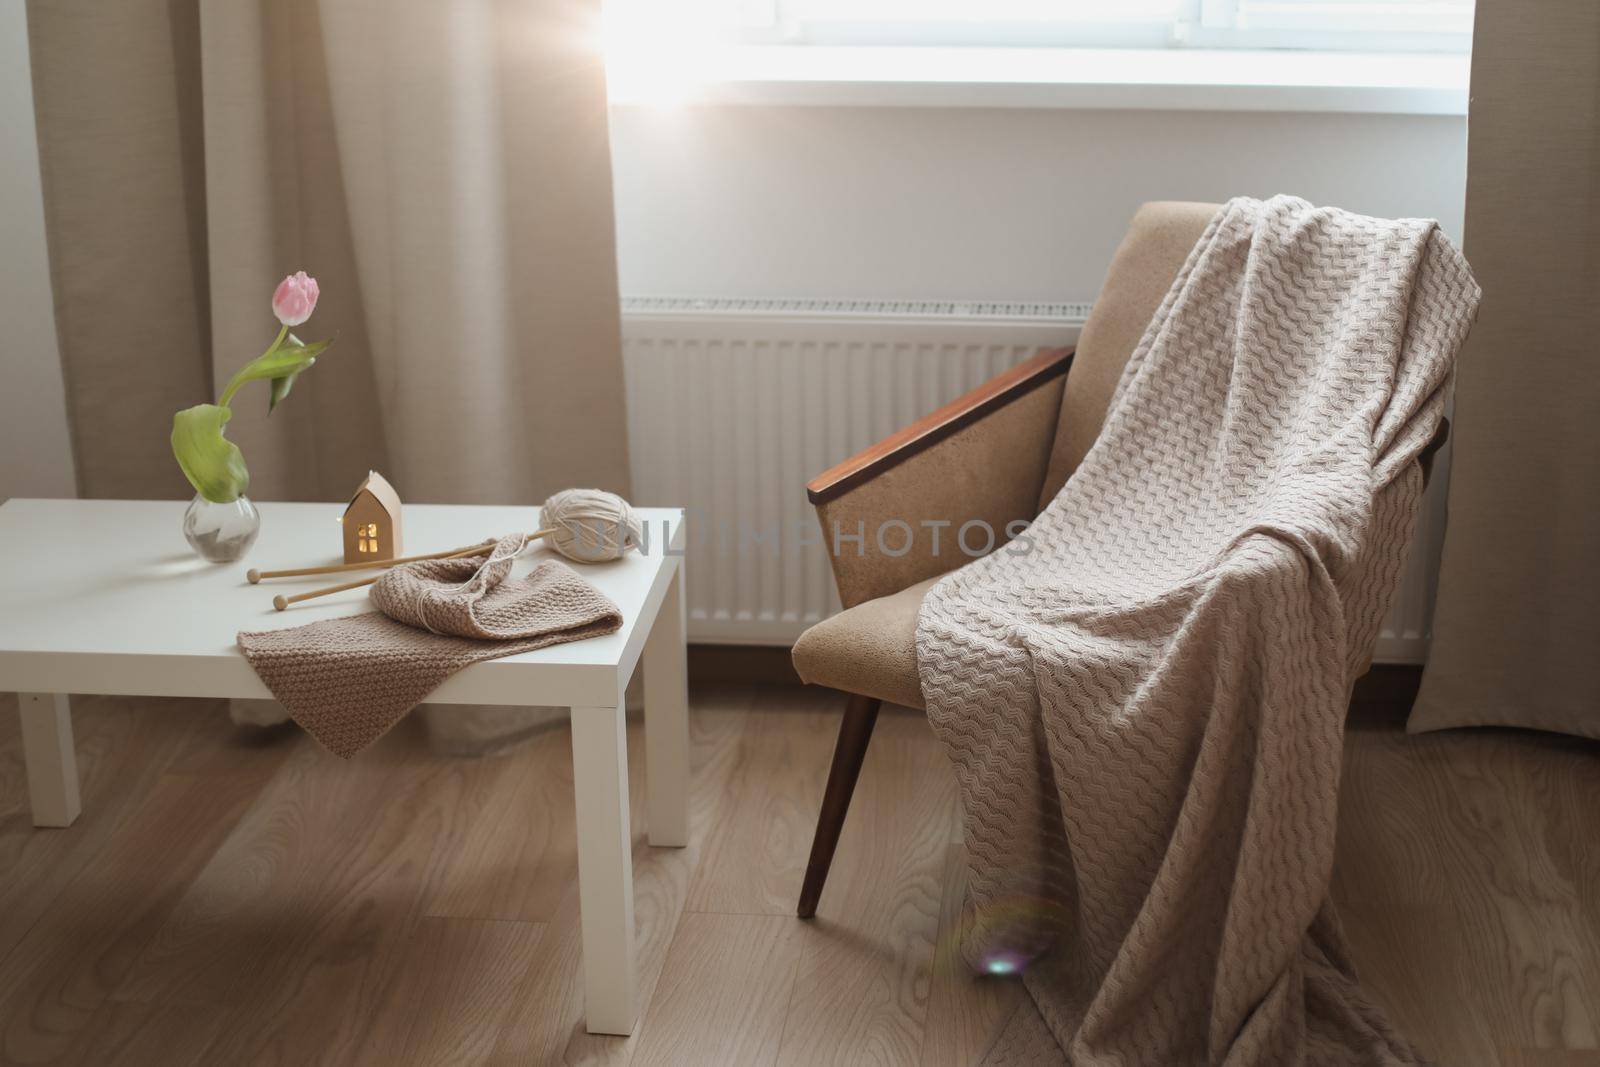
590	525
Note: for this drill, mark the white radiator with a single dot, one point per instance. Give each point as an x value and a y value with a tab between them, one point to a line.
735	404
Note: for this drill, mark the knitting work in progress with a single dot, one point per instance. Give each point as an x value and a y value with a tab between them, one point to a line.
1144	696
348	681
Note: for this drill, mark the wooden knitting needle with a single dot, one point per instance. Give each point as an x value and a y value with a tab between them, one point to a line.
282	602
253	576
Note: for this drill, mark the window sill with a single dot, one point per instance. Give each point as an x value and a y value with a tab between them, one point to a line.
1155	79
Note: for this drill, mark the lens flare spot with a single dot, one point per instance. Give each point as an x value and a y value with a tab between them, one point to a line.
1005	962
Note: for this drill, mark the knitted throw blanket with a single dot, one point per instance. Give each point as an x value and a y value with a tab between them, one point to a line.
347	681
1144	696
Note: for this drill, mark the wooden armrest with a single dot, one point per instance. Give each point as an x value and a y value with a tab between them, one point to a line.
898	447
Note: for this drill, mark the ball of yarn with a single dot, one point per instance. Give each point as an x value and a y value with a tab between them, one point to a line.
590	525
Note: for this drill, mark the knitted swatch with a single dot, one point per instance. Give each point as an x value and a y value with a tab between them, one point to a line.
348	681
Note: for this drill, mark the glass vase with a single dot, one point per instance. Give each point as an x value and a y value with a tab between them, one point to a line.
221	533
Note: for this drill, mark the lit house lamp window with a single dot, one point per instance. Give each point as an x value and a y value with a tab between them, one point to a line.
372	522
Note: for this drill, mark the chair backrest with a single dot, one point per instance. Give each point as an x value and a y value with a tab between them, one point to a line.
1158	242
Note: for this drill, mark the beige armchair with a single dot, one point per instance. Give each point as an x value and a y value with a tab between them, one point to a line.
893	515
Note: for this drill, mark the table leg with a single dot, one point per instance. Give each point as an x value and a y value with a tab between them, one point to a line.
605	868
666	721
51	761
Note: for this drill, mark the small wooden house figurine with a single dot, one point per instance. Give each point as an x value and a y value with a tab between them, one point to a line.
372	522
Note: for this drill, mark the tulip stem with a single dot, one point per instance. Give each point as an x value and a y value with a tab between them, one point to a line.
236	381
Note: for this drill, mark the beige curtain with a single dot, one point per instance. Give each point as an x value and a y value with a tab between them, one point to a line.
1516	638
116	91
442	169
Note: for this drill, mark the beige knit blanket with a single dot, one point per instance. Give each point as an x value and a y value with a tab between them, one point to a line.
1144	696
347	681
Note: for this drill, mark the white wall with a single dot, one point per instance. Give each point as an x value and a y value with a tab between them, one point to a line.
944	203
35	452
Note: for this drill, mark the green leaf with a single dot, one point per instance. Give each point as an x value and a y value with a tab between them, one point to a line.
280	389
282	385
212	463
282	361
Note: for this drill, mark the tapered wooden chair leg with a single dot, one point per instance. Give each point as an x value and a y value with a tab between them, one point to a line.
860	715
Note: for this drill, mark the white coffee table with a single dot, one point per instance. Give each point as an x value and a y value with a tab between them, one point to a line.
105	596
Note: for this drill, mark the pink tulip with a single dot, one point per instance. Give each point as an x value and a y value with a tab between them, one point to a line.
295	298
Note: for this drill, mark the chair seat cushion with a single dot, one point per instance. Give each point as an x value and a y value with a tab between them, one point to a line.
870	649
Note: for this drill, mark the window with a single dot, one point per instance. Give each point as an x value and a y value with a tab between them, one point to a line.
1374	25
1364	25
367	538
1392	56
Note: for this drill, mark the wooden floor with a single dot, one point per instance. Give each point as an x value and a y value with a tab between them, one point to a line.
227	899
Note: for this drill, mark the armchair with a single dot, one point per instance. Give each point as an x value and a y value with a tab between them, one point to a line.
893	516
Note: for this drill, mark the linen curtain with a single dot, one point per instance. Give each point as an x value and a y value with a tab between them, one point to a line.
442	169
1516	634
